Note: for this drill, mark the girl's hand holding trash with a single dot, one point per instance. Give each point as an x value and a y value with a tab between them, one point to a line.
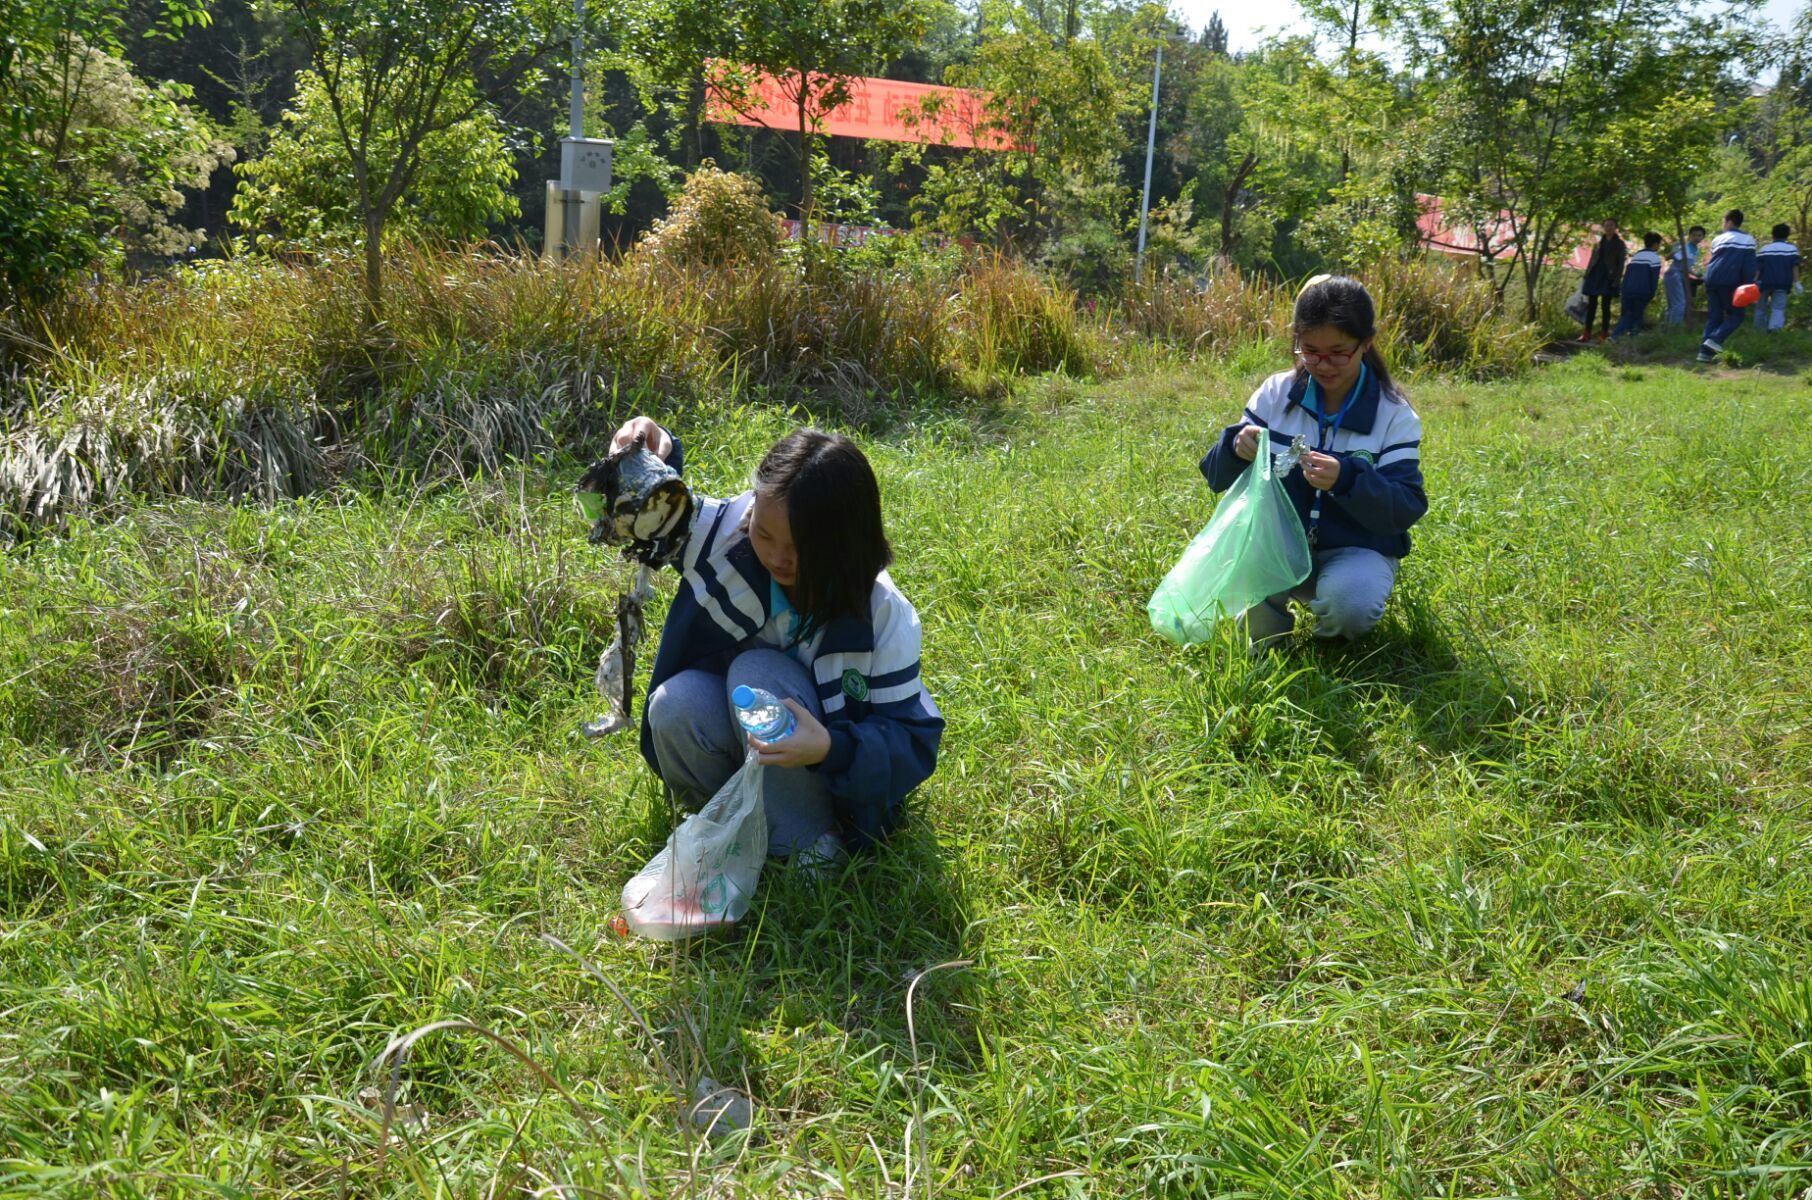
1245	443
808	745
1321	470
655	441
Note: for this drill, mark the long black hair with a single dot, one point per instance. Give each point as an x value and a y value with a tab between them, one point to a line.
1343	303
833	505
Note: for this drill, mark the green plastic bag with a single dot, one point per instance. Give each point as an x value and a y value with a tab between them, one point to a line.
1252	548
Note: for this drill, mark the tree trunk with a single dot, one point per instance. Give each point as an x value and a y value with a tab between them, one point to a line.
693	139
805	161
1352	45
1230	202
1533	260
374	268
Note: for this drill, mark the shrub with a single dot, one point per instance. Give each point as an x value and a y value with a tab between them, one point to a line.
1230	309
1437	314
718	219
1012	320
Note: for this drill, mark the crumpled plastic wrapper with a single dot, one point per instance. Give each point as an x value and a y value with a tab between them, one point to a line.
1283	462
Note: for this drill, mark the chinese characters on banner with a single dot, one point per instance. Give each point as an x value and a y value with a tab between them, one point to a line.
885	109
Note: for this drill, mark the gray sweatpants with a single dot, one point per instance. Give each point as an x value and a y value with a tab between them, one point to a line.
1673	286
1346	591
700	745
1771	310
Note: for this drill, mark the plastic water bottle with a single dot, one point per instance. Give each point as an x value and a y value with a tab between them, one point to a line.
761	713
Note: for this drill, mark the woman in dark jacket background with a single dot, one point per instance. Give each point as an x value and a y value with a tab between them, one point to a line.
1603	276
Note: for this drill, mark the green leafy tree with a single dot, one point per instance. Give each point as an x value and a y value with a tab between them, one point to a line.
130	152
1666	152
1056	106
396	73
1263	149
90	156
294	195
1531	94
1765	163
664	46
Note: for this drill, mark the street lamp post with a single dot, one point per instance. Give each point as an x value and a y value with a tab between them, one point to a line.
1151	142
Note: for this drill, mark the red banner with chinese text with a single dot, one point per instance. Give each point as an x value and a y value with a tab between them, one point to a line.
885	109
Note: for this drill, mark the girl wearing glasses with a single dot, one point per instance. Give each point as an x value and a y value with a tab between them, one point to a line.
1359	487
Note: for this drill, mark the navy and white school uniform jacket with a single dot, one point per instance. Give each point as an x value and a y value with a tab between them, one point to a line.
1732	260
1774	266
884	727
1377	439
1642	278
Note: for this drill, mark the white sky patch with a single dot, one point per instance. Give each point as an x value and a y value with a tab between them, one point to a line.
1249	22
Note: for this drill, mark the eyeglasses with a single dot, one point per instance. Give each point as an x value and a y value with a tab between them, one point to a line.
1333	360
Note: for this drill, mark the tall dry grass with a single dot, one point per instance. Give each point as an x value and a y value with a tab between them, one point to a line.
1436	314
261	379
1229	310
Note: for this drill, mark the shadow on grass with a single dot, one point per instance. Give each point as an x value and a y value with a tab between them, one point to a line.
1565	751
1786	353
815	980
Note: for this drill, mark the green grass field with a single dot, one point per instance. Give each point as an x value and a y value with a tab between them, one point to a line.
1510	899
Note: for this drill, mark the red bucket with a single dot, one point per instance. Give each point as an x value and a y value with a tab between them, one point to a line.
1746	295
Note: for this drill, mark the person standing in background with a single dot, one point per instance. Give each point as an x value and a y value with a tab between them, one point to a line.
1603	275
1777	273
1641	279
1682	267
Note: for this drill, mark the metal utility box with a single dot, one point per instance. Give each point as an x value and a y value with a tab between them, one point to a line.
572	222
585	164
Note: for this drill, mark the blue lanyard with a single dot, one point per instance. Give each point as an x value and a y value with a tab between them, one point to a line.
1326	431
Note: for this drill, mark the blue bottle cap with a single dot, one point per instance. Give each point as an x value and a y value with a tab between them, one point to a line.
743	696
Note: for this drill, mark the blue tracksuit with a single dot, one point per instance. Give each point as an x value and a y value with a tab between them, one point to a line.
1775	265
1379	494
884	727
1730	264
1641	280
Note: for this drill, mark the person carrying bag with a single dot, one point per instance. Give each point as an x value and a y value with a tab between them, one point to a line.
1357	489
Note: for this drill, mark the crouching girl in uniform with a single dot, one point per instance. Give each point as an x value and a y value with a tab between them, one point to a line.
785	588
1359	487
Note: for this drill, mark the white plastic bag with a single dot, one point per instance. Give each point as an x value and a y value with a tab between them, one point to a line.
704	878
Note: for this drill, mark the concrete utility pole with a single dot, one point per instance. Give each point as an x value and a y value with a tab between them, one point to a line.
1151	143
578	110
